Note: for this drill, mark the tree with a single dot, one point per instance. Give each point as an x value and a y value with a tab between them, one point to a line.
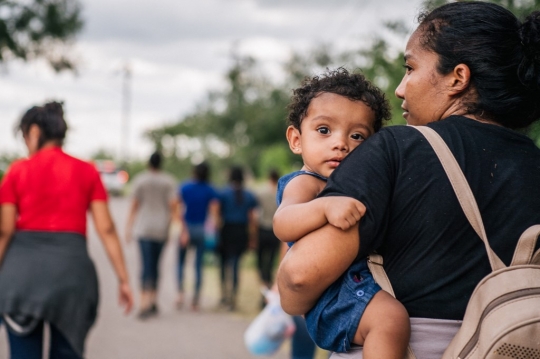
245	122
39	29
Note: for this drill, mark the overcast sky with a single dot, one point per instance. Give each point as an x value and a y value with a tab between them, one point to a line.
178	50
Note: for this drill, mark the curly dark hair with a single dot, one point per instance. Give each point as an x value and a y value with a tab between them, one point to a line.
353	86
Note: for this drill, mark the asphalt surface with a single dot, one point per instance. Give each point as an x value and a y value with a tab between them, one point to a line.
210	333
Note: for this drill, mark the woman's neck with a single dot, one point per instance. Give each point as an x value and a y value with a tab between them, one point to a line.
482	120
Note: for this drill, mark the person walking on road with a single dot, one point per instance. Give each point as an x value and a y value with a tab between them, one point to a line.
198	198
268	244
152	209
46	275
238	232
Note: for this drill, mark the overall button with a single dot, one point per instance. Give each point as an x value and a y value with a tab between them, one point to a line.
360	293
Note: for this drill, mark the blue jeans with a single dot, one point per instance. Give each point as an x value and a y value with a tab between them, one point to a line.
302	346
196	239
31	346
150	254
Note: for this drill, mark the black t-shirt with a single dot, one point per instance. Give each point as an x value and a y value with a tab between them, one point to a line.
433	257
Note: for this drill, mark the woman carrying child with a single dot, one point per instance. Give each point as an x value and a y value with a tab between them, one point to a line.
473	76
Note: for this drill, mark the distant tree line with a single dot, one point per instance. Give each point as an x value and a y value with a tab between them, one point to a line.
245	122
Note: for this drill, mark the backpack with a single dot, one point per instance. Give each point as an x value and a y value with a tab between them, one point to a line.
502	318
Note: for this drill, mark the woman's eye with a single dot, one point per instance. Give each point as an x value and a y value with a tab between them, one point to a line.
323	130
407	68
357	137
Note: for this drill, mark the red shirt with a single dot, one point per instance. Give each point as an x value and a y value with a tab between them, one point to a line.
52	191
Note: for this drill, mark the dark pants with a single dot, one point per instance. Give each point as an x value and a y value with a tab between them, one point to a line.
196	239
302	346
266	254
229	271
233	243
150	254
31	346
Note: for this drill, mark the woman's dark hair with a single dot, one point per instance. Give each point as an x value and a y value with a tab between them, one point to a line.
201	172
502	54
155	160
50	120
353	86
236	178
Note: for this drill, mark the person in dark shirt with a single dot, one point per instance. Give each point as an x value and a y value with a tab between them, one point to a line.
238	232
474	96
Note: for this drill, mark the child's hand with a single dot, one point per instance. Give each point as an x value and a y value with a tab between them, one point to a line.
343	212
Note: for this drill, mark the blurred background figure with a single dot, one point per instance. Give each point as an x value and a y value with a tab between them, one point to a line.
152	209
43	204
267	244
197	198
238	231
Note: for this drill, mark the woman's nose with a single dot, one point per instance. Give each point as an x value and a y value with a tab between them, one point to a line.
400	90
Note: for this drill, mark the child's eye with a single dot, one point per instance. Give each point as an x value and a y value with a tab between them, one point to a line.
323	130
357	137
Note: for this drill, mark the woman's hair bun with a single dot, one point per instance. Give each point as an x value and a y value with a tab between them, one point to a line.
529	69
54	108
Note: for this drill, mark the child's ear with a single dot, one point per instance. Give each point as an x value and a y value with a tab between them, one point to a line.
293	136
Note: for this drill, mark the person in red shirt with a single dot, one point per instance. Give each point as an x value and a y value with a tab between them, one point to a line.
46	275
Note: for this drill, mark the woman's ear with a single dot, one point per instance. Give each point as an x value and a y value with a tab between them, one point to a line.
460	79
295	143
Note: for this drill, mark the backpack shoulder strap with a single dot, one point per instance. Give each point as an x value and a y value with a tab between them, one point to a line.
375	264
525	247
462	189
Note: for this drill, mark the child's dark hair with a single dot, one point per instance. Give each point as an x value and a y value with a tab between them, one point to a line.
50	120
353	86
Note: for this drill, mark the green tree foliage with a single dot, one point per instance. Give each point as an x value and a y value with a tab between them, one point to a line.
39	29
245	122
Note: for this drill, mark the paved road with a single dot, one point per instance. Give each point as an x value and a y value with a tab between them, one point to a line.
211	333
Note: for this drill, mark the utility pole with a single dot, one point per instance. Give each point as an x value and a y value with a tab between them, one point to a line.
126	111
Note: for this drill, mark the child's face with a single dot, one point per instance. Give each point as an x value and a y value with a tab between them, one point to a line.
333	127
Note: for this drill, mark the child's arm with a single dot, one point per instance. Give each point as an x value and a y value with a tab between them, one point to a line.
301	213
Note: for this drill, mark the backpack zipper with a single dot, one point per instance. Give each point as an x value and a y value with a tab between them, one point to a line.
495	303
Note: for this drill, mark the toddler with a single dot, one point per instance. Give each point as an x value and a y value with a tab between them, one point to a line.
330	116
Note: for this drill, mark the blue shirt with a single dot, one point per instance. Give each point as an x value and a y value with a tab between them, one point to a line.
284	181
233	212
196	197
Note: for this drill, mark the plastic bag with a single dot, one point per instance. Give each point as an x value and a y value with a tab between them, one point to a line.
270	328
210	235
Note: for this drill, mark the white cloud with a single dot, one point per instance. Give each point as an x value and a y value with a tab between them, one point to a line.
178	50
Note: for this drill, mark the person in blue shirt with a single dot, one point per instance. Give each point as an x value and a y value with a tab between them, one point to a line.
198	198
237	208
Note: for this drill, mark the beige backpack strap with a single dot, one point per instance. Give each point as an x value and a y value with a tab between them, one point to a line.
536	258
525	247
375	264
462	189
